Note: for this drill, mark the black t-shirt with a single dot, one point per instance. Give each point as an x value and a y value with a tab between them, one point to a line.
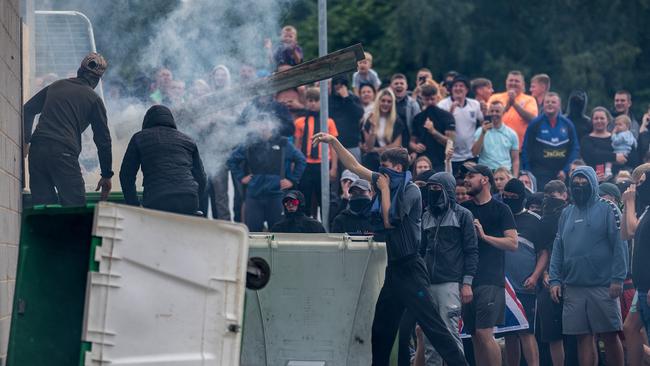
496	218
548	231
442	121
597	151
641	255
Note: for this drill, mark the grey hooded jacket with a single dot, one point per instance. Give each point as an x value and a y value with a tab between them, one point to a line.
449	244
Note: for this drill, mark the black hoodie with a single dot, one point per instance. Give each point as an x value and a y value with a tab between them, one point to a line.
170	160
576	111
67	107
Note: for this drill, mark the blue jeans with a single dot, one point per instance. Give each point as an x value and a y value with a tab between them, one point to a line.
644	310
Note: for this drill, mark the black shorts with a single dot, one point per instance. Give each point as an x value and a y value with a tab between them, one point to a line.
550	316
486	310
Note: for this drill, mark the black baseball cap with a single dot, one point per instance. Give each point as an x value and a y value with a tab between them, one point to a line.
461	79
480	169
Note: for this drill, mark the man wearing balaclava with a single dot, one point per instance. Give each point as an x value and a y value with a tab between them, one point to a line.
450	249
295	220
355	219
588	267
555	200
524	268
67	107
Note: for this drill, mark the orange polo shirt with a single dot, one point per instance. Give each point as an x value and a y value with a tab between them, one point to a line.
511	117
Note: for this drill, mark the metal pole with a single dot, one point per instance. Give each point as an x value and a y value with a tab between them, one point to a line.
324	116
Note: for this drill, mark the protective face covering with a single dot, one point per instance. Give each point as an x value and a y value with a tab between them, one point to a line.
552	205
515	204
436	201
360	205
581	193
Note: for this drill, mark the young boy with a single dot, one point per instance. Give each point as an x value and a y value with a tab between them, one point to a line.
623	140
365	74
306	128
288	51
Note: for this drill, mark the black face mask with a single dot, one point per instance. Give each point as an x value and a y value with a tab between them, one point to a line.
515	204
360	205
581	193
552	205
436	201
643	193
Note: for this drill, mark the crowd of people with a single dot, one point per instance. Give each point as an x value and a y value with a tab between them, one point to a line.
469	188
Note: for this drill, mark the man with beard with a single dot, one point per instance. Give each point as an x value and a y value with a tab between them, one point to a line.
497	233
295	220
449	248
524	267
396	214
550	312
355	219
588	267
67	107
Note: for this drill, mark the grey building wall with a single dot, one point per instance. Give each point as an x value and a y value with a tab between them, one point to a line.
10	160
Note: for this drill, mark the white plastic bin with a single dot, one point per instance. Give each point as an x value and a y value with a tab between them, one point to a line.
169	289
318	307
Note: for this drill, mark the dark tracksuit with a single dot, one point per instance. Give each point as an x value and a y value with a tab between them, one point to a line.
173	175
269	162
67	107
406	283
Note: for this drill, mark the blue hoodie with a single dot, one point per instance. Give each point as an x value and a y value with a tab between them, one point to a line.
588	249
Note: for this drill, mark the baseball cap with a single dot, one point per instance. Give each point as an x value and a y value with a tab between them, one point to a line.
347	174
480	169
361	184
94	63
461	79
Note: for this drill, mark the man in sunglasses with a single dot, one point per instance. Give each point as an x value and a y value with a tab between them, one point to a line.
295	220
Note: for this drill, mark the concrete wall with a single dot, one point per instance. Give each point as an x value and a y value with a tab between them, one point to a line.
10	160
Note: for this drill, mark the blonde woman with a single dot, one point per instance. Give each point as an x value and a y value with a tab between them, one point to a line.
501	176
382	129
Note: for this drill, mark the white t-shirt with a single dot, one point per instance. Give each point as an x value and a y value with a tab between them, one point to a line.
466	118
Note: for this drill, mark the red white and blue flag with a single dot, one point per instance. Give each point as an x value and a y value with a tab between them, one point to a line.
515	316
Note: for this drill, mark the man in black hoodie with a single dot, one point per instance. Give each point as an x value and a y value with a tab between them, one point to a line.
345	108
295	220
67	107
576	111
173	173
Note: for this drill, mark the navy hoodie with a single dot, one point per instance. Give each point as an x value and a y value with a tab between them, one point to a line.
588	249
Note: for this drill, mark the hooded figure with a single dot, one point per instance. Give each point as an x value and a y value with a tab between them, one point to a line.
576	111
295	220
533	180
67	107
173	173
449	235
588	249
521	263
450	249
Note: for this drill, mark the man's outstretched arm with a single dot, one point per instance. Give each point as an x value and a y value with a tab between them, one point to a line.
347	159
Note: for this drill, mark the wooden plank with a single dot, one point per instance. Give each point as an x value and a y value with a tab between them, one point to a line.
321	68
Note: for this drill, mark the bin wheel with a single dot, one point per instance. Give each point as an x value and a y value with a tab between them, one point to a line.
258	273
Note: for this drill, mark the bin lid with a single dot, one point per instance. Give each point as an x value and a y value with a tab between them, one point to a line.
168	290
